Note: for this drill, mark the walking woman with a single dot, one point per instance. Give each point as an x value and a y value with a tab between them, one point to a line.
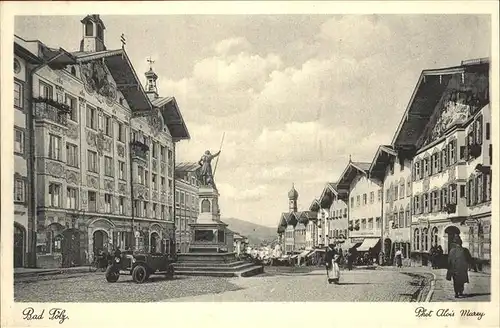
399	258
459	259
332	265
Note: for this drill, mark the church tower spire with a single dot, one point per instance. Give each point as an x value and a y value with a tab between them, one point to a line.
151	77
293	195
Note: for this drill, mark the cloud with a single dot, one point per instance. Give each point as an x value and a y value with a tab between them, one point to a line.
232	45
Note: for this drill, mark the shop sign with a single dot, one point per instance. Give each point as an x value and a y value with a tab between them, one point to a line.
356	240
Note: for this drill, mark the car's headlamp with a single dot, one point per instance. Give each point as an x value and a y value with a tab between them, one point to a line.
117	259
133	260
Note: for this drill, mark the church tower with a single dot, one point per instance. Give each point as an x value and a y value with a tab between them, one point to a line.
293	195
151	77
93	34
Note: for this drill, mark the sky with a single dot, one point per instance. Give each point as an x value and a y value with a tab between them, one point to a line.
295	95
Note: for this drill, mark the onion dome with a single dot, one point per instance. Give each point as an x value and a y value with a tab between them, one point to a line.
293	194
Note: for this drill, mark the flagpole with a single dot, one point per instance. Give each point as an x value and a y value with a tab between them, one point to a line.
220	148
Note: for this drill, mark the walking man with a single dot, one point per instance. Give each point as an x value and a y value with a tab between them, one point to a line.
459	260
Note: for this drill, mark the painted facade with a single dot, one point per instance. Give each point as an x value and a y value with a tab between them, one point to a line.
333	201
452	165
104	153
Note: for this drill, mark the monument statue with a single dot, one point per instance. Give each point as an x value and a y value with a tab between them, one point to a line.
205	174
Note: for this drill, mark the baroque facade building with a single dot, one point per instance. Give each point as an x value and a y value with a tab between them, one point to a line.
393	169
24	241
186	203
104	153
448	126
333	202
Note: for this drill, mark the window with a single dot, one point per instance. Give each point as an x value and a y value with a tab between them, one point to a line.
92	201
18	141
396	192
153	181
108	126
401	221
408	188
416	239
370	223
426	203
435	201
19	190
108	166
434	236
54	195
163	214
480	189
163	154
92	161
417	170
121	132
425	240
154	210
146	178
140	175
436	167
71	155
416	205
377	223
453	194
89	29
121	170
462	191
44	90
154	150
182	198
379	195
452	152
91	117
402	189
363	224
54	147
426	166
388	195
177	196
162	183
478	124
137	208
121	205
364	199
107	203
444	196
18	94
358	199
71	198
145	209
352	202
408	217
71	102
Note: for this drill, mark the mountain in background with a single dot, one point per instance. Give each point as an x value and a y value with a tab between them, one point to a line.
255	233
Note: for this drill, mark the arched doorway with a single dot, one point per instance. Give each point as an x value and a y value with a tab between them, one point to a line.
19	242
451	232
100	241
70	248
154	240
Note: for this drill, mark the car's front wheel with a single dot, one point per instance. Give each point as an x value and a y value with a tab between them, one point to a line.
111	274
139	274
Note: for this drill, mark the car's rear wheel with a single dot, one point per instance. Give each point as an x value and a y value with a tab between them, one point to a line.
111	274
139	274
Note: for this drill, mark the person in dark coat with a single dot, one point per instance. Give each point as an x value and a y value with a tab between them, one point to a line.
459	259
350	258
439	256
433	256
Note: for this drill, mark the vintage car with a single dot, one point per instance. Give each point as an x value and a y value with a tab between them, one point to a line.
139	265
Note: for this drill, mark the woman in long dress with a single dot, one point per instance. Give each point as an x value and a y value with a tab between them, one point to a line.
332	265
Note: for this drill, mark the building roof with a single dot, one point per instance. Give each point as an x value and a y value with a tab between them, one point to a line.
172	117
384	155
314	207
23	49
428	94
186	167
350	172
328	194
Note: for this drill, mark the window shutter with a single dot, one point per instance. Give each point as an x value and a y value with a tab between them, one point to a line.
473	191
421	169
421	204
438	200
479	137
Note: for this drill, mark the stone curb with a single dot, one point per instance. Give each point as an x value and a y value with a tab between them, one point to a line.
433	286
50	273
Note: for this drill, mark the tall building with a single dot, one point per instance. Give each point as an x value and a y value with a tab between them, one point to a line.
365	211
104	153
393	168
24	203
186	203
333	201
448	126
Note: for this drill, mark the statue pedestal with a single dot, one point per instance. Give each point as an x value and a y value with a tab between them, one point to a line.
211	250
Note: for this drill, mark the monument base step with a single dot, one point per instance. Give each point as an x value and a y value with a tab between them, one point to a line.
247	271
207	257
185	264
213	267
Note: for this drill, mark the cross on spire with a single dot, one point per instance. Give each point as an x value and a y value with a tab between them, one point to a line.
151	62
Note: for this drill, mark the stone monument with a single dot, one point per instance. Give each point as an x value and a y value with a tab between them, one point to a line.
211	249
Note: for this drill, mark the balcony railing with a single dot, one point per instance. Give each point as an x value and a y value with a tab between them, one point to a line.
49	109
139	150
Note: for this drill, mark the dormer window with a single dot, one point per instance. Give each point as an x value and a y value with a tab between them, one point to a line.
89	29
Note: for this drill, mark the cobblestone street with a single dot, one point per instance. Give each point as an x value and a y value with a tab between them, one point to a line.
357	285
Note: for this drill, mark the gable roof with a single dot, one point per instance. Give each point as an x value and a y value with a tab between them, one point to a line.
327	195
350	172
427	95
314	204
383	156
172	117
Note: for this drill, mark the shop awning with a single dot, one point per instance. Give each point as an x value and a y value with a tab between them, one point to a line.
367	244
